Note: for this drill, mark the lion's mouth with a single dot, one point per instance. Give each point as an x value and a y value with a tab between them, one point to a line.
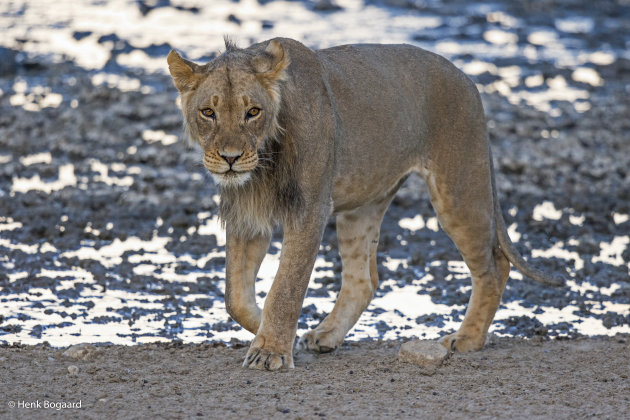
233	172
225	172
231	178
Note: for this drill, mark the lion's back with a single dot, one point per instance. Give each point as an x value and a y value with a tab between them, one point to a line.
392	103
399	69
394	79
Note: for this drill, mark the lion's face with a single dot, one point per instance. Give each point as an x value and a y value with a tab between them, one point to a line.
230	116
231	107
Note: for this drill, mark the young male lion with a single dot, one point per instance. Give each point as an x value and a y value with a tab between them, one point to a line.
293	136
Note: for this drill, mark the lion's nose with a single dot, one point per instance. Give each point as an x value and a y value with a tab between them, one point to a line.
230	159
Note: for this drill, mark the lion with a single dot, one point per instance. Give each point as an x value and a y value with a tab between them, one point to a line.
293	136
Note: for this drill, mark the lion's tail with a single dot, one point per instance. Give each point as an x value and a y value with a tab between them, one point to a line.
507	247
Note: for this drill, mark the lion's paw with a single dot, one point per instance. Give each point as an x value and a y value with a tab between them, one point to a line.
319	341
259	358
462	343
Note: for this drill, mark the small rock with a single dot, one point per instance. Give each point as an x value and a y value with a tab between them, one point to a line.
426	354
79	35
326	6
234	19
73	370
283	410
146	6
492	339
80	351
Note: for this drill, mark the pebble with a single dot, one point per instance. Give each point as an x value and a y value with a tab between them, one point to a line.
73	370
326	6
425	353
80	351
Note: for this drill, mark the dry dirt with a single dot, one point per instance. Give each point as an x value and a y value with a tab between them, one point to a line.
510	378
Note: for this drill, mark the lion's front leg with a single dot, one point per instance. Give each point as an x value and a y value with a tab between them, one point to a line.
272	348
243	259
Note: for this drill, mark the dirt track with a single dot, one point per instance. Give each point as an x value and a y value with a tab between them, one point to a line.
511	378
107	222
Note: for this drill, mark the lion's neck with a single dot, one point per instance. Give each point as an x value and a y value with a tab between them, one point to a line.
268	199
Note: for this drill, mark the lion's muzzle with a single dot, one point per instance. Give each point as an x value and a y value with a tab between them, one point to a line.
230	168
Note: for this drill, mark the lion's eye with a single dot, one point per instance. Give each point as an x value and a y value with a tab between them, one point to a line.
252	113
208	113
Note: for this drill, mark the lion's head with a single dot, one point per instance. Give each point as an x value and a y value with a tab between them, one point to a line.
231	107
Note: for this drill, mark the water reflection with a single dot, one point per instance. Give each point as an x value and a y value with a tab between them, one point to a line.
80	309
65	178
34	98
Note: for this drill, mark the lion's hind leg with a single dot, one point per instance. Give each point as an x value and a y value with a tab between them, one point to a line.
357	234
465	210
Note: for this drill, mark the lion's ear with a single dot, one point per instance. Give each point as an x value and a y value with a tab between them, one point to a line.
271	65
186	74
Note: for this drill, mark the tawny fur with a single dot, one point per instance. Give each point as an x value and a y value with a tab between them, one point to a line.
296	136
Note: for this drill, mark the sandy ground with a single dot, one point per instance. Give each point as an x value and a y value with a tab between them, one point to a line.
108	223
510	378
